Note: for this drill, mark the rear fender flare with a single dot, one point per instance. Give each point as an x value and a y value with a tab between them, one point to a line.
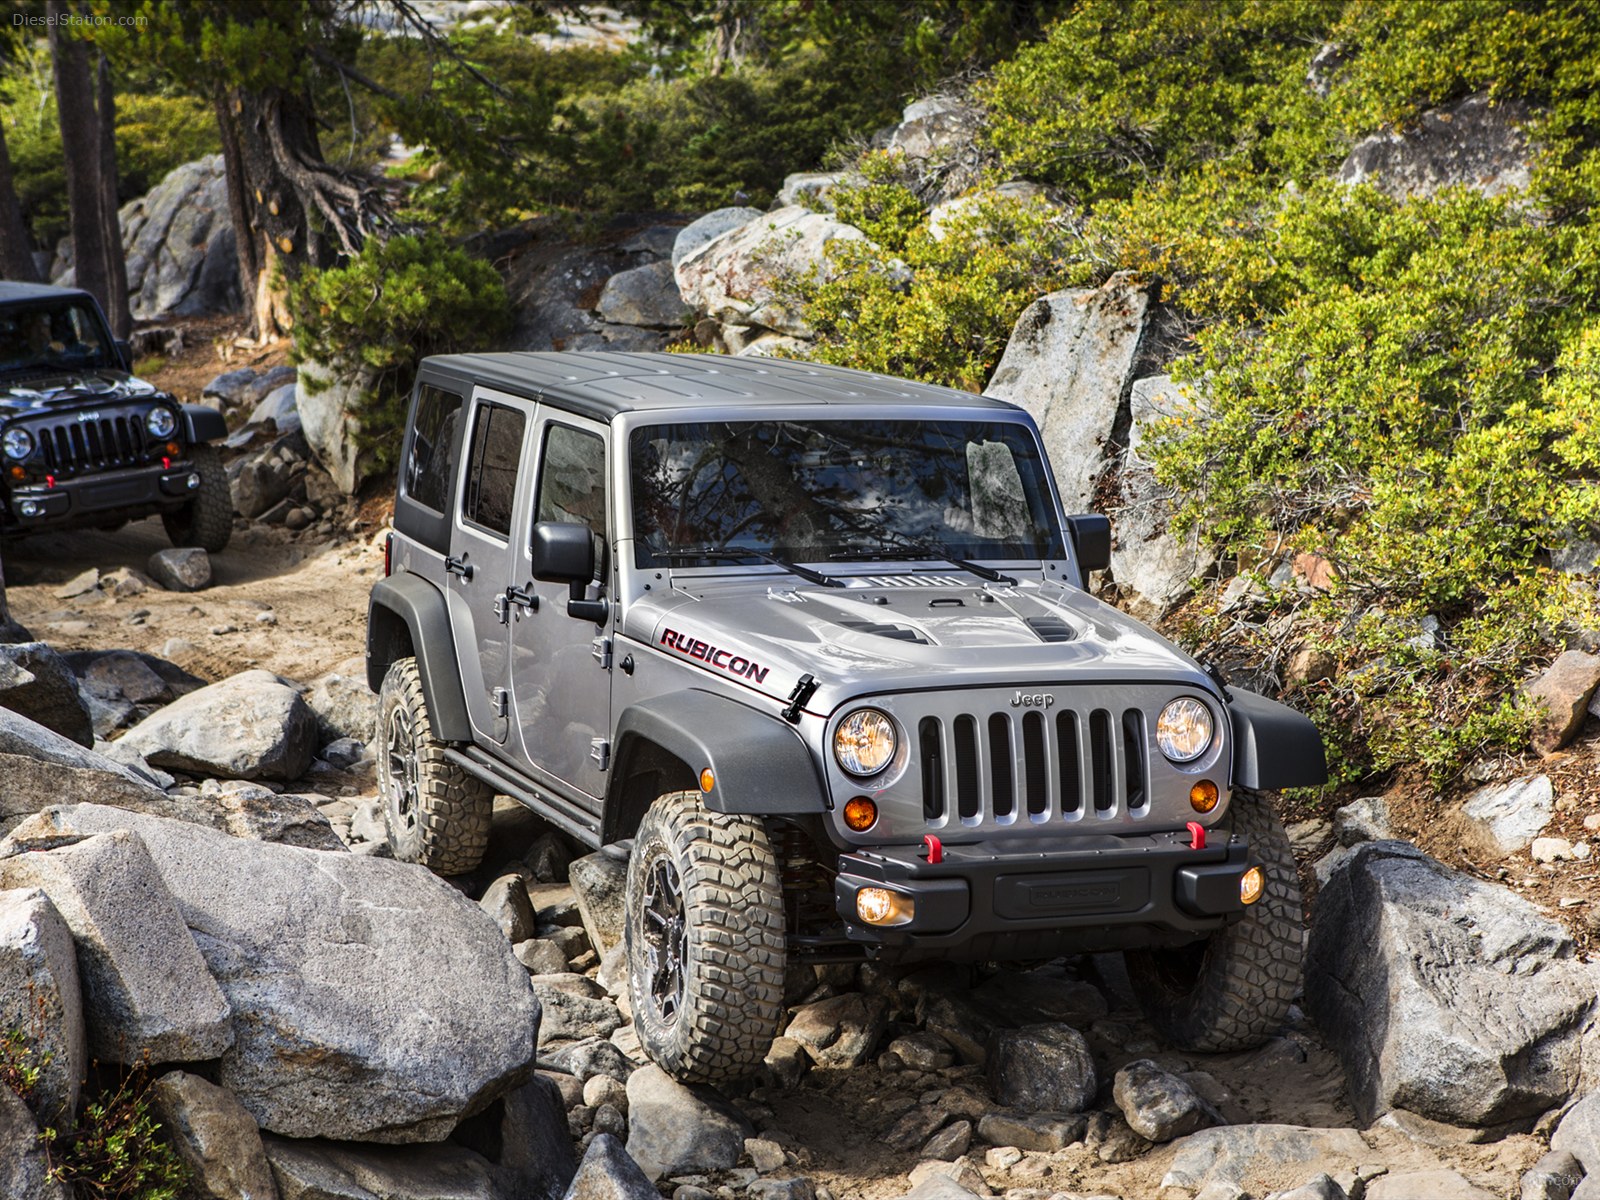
407	615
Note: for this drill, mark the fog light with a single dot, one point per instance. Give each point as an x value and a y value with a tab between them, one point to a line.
30	508
880	906
192	482
860	814
707	780
1203	796
1251	884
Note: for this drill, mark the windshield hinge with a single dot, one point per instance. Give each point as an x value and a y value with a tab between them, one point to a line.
803	691
600	751
501	699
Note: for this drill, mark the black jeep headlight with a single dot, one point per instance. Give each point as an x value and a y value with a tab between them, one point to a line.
864	743
18	443
1184	729
161	422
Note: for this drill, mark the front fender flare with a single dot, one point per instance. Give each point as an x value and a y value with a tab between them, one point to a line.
1273	745
420	607
202	424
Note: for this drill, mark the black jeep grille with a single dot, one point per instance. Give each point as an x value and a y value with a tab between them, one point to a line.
74	446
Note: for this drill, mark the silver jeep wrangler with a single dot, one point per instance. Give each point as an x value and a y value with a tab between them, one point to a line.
814	646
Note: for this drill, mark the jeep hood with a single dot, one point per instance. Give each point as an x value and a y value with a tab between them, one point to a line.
68	388
892	633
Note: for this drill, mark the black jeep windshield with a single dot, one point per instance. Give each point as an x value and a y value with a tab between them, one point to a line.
815	491
42	339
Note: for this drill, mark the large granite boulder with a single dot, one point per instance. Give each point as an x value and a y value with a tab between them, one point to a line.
214	1136
556	287
1042	1068
1067	363
675	1129
37	683
25	1169
1512	814
250	726
712	225
1472	143
646	296
1257	1157
941	136
38	767
371	1000
737	278
1444	995
325	1170
39	993
326	397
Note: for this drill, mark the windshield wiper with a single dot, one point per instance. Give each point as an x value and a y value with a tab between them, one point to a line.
805	573
939	551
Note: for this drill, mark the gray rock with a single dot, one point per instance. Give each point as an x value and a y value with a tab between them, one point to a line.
1562	692
607	1173
320	1170
541	956
1444	995
599	882
674	1129
1040	1132
1473	143
1577	557
525	1139
312	950
912	1128
38	766
325	398
950	1143
570	1017
131	675
35	682
713	225
344	753
939	1187
344	705
279	408
1553	1177
947	215
814	189
181	569
736	278
963	1024
1026	997
1435	1185
590	1058
1322	1187
259	481
1067	362
786	1062
1363	820
215	1136
842	1031
1160	1106
506	901
553	286
145	986
646	295
773	345
940	131
1579	1133
24	1168
248	811
250	726
1042	1068
232	387
39	994
1514	813
787	1187
1250	1156
178	242
923	1051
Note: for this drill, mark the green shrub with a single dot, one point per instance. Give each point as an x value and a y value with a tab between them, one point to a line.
157	133
388	308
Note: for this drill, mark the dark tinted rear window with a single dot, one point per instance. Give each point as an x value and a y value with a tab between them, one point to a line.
492	467
427	469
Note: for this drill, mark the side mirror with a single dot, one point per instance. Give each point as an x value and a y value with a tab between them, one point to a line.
564	552
1091	540
124	349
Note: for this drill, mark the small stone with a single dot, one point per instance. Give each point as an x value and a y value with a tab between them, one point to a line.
602	1090
1042	1068
1572	902
1363	820
299	518
841	1032
963	1173
181	569
1002	1158
791	1187
1112	1139
950	1143
1160	1106
674	1129
1592	822
1323	1187
506	900
1038	1132
540	956
1553	1177
79	585
765	1156
914	1128
1582	850
1550	850
214	1134
923	1051
1563	692
1513	813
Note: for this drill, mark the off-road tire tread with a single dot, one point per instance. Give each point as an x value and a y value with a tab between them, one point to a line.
736	948
1252	969
454	808
207	520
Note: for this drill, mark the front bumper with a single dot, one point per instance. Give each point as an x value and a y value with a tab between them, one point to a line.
36	506
1035	898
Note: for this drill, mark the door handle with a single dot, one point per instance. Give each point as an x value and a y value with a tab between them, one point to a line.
459	566
523	597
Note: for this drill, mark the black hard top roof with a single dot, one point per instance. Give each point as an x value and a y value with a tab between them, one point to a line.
10	291
602	384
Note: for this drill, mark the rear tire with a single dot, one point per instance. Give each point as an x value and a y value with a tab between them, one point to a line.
1233	991
705	940
206	520
435	813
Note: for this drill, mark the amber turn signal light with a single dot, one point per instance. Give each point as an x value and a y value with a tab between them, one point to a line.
1203	796
1251	884
860	814
707	780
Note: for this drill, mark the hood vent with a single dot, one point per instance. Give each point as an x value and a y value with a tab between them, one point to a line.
908	581
1051	629
898	632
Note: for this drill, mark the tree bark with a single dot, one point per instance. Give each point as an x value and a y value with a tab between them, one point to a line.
111	227
10	631
240	206
16	246
80	144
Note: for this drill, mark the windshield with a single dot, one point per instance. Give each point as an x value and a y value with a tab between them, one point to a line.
811	491
42	338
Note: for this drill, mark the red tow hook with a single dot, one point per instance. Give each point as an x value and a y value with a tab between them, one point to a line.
1197	835
933	848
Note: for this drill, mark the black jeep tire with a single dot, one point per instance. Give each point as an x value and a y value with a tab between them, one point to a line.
435	813
705	940
1233	991
206	520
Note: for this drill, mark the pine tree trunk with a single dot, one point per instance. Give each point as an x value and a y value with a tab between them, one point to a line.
240	204
111	227
16	247
80	144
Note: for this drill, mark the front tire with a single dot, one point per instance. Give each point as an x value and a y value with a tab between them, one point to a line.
206	520
1233	991
705	940
435	813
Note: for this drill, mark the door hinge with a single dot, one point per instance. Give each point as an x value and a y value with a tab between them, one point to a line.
502	701
502	609
600	648
600	751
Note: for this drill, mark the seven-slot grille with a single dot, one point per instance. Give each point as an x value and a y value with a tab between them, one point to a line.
95	445
1033	766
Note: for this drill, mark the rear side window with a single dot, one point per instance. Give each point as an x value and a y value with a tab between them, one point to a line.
427	469
572	478
491	487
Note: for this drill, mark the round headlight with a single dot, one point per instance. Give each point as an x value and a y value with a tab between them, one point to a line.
864	742
161	422
1184	729
18	443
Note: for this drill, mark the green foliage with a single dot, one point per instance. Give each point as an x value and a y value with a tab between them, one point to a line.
388	308
157	133
116	1150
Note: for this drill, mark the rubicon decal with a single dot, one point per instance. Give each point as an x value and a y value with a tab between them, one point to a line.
720	658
